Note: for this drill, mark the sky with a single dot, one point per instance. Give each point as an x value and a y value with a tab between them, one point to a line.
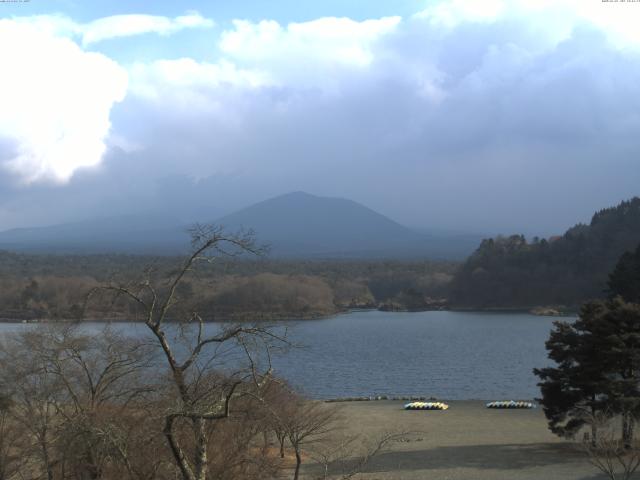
499	116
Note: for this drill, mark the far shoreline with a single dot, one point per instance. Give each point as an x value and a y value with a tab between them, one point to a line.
285	318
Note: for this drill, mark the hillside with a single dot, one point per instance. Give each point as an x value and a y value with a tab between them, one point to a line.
302	225
295	225
149	234
510	272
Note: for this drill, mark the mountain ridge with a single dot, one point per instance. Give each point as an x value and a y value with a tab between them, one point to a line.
296	225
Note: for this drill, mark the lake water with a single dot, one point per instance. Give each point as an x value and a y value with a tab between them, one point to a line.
448	355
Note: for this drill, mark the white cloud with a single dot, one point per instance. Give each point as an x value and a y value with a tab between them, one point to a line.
453	12
340	40
263	54
56	100
155	79
309	51
115	26
618	20
56	97
127	25
54	24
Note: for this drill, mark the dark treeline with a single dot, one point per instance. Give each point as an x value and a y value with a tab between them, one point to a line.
55	286
511	272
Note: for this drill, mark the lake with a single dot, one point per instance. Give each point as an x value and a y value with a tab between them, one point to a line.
448	355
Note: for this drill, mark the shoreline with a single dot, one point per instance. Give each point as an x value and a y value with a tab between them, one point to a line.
302	318
420	398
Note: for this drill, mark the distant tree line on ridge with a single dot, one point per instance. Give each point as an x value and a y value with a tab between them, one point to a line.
511	272
55	286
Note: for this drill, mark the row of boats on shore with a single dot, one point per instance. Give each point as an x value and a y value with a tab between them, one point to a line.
501	404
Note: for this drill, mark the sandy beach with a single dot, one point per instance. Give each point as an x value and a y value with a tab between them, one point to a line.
466	442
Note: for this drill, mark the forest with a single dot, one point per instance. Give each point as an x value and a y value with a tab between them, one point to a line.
564	271
35	287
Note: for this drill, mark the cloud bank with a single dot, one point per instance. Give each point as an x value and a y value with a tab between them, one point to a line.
457	117
56	100
57	97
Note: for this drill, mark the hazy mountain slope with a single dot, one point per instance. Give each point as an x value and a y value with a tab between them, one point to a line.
152	234
511	272
294	225
302	224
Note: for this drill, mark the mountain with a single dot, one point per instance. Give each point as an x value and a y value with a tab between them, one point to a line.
296	225
302	225
150	234
510	272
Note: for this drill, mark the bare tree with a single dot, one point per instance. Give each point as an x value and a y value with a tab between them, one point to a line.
103	377
36	397
235	448
71	390
306	423
11	460
192	354
616	458
344	457
314	428
278	401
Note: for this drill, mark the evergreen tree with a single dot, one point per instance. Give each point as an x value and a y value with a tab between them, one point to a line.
625	278
598	368
619	328
573	391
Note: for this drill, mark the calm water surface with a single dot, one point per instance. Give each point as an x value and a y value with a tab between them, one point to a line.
449	355
452	355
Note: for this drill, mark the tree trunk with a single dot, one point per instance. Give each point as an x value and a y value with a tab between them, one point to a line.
298	463
281	440
45	456
91	468
594	426
627	430
178	454
201	460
